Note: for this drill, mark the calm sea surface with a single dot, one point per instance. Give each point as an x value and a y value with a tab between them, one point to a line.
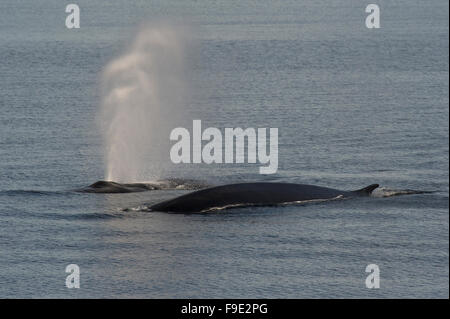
353	107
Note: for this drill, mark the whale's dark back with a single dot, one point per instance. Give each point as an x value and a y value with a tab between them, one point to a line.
253	194
113	187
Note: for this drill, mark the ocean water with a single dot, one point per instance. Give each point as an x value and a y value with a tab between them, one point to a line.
353	107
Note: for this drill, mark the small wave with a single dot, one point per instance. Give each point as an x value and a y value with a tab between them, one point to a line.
142	208
387	192
100	216
18	192
178	183
68	216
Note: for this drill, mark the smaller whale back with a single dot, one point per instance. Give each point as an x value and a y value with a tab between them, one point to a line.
113	187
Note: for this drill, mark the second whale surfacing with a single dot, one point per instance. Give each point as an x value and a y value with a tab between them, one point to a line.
253	194
109	187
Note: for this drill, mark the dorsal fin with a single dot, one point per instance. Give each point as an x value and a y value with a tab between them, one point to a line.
366	190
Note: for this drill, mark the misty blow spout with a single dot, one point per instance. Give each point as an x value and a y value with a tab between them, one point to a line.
138	104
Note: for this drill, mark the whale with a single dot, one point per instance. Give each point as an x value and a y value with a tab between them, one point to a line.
113	187
110	187
253	194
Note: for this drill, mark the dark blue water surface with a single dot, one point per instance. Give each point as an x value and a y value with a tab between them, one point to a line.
353	107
